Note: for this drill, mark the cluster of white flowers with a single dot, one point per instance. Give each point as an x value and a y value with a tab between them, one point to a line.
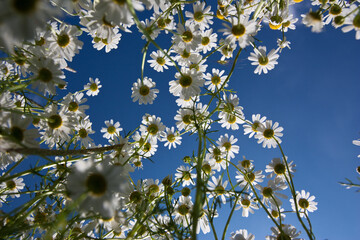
91	185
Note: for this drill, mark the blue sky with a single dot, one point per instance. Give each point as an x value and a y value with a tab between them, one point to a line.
313	93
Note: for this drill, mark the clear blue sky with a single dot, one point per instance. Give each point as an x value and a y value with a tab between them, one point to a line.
313	93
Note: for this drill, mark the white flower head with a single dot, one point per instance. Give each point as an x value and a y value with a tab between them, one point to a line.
263	61
144	91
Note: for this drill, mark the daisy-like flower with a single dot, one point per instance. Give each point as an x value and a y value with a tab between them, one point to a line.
226	49
111	129
242	234
246	202
263	61
15	133
217	189
254	126
278	169
171	138
110	42
271	192
283	43
183	173
289	23
253	177
149	28
153	126
188	83
92	87
72	104
184	118
187	36
47	75
57	126
228	143
245	164
65	43
335	10
313	20
12	187
305	203
117	12
183	208
159	61
268	133
203	221
241	30
215	80
217	158
144	91
21	19
287	232
153	188
352	22
100	183
202	16
84	129
208	41
274	211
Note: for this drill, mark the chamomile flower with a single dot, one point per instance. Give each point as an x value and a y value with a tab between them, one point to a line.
241	30
283	43
183	209
110	42
92	87
159	61
287	232
15	133
184	118
21	19
263	61
111	130
249	177
352	22
144	91
118	12
313	20
202	16
276	212
278	169
215	80
305	203
99	184
84	129
208	41
72	103
271	192
229	144
184	175
152	126
217	189
47	75
187	83
187	36
12	187
245	164
289	23
242	234
269	135
65	43
253	127
246	202
171	138
56	126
